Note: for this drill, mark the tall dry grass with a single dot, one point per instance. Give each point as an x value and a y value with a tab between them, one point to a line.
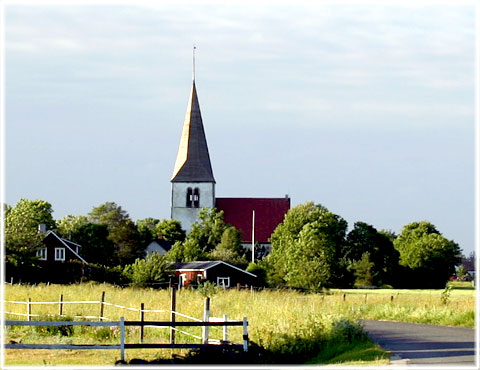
274	316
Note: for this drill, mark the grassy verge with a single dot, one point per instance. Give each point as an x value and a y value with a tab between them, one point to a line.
287	326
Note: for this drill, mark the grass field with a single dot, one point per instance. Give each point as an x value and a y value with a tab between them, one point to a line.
292	325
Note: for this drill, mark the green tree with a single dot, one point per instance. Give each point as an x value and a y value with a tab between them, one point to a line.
209	228
121	231
146	230
22	236
150	271
431	257
306	248
205	235
109	214
230	249
96	247
170	230
462	273
364	275
310	258
70	224
364	238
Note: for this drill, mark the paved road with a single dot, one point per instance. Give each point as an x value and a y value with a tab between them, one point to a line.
424	344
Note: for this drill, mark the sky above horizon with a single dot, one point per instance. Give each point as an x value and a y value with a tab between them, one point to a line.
366	109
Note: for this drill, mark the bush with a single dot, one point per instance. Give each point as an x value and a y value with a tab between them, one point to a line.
347	331
149	271
207	289
63	330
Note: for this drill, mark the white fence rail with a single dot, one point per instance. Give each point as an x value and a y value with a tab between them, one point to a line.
122	345
172	325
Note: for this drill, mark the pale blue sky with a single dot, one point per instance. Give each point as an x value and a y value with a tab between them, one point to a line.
367	109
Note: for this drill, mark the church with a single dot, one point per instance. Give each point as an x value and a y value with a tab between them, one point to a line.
193	187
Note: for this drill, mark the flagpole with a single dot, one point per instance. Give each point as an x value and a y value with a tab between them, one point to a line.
253	236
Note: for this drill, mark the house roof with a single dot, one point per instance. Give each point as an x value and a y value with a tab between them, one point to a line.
193	160
67	243
269	212
161	243
205	265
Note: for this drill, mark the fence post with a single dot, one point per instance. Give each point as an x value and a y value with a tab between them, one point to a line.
29	309
173	309
102	300
225	328
142	317
122	338
60	305
365	297
245	335
344	297
206	318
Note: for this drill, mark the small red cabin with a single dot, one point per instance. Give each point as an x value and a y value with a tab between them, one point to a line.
218	272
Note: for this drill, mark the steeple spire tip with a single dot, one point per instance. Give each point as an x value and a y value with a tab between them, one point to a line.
193	69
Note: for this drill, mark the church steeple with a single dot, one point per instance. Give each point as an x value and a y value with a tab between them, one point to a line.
193	160
193	184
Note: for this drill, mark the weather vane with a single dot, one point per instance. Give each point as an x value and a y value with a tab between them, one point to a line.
194	47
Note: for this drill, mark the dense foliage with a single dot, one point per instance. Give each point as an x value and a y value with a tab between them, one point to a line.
430	257
310	249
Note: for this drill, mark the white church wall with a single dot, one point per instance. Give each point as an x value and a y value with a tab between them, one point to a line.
188	215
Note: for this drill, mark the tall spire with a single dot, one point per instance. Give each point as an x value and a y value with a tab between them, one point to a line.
193	160
193	64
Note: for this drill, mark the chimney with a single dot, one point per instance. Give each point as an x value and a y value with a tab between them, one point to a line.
42	228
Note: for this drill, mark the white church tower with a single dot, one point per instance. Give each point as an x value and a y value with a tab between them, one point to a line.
193	184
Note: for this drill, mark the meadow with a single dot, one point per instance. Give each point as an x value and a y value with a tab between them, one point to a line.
289	326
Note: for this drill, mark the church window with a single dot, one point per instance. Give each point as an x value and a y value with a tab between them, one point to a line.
189	198
196	198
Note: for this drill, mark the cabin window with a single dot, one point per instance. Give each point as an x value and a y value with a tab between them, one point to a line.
223	282
189	198
59	254
196	198
42	254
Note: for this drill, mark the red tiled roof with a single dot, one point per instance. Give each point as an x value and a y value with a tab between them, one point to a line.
269	212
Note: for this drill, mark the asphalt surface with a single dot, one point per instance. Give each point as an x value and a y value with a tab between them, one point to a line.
424	344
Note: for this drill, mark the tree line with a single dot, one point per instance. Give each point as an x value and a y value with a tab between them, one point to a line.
311	249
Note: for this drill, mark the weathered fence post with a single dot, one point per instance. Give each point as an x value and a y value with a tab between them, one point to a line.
245	335
122	338
391	298
173	309
102	300
206	318
225	329
29	309
344	297
142	317
365	298
60	305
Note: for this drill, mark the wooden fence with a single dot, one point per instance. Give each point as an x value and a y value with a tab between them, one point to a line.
122	345
173	325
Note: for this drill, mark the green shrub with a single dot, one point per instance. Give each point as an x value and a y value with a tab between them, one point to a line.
145	272
345	330
62	330
207	289
105	333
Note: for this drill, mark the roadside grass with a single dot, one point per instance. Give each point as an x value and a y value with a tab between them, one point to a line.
364	353
281	322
